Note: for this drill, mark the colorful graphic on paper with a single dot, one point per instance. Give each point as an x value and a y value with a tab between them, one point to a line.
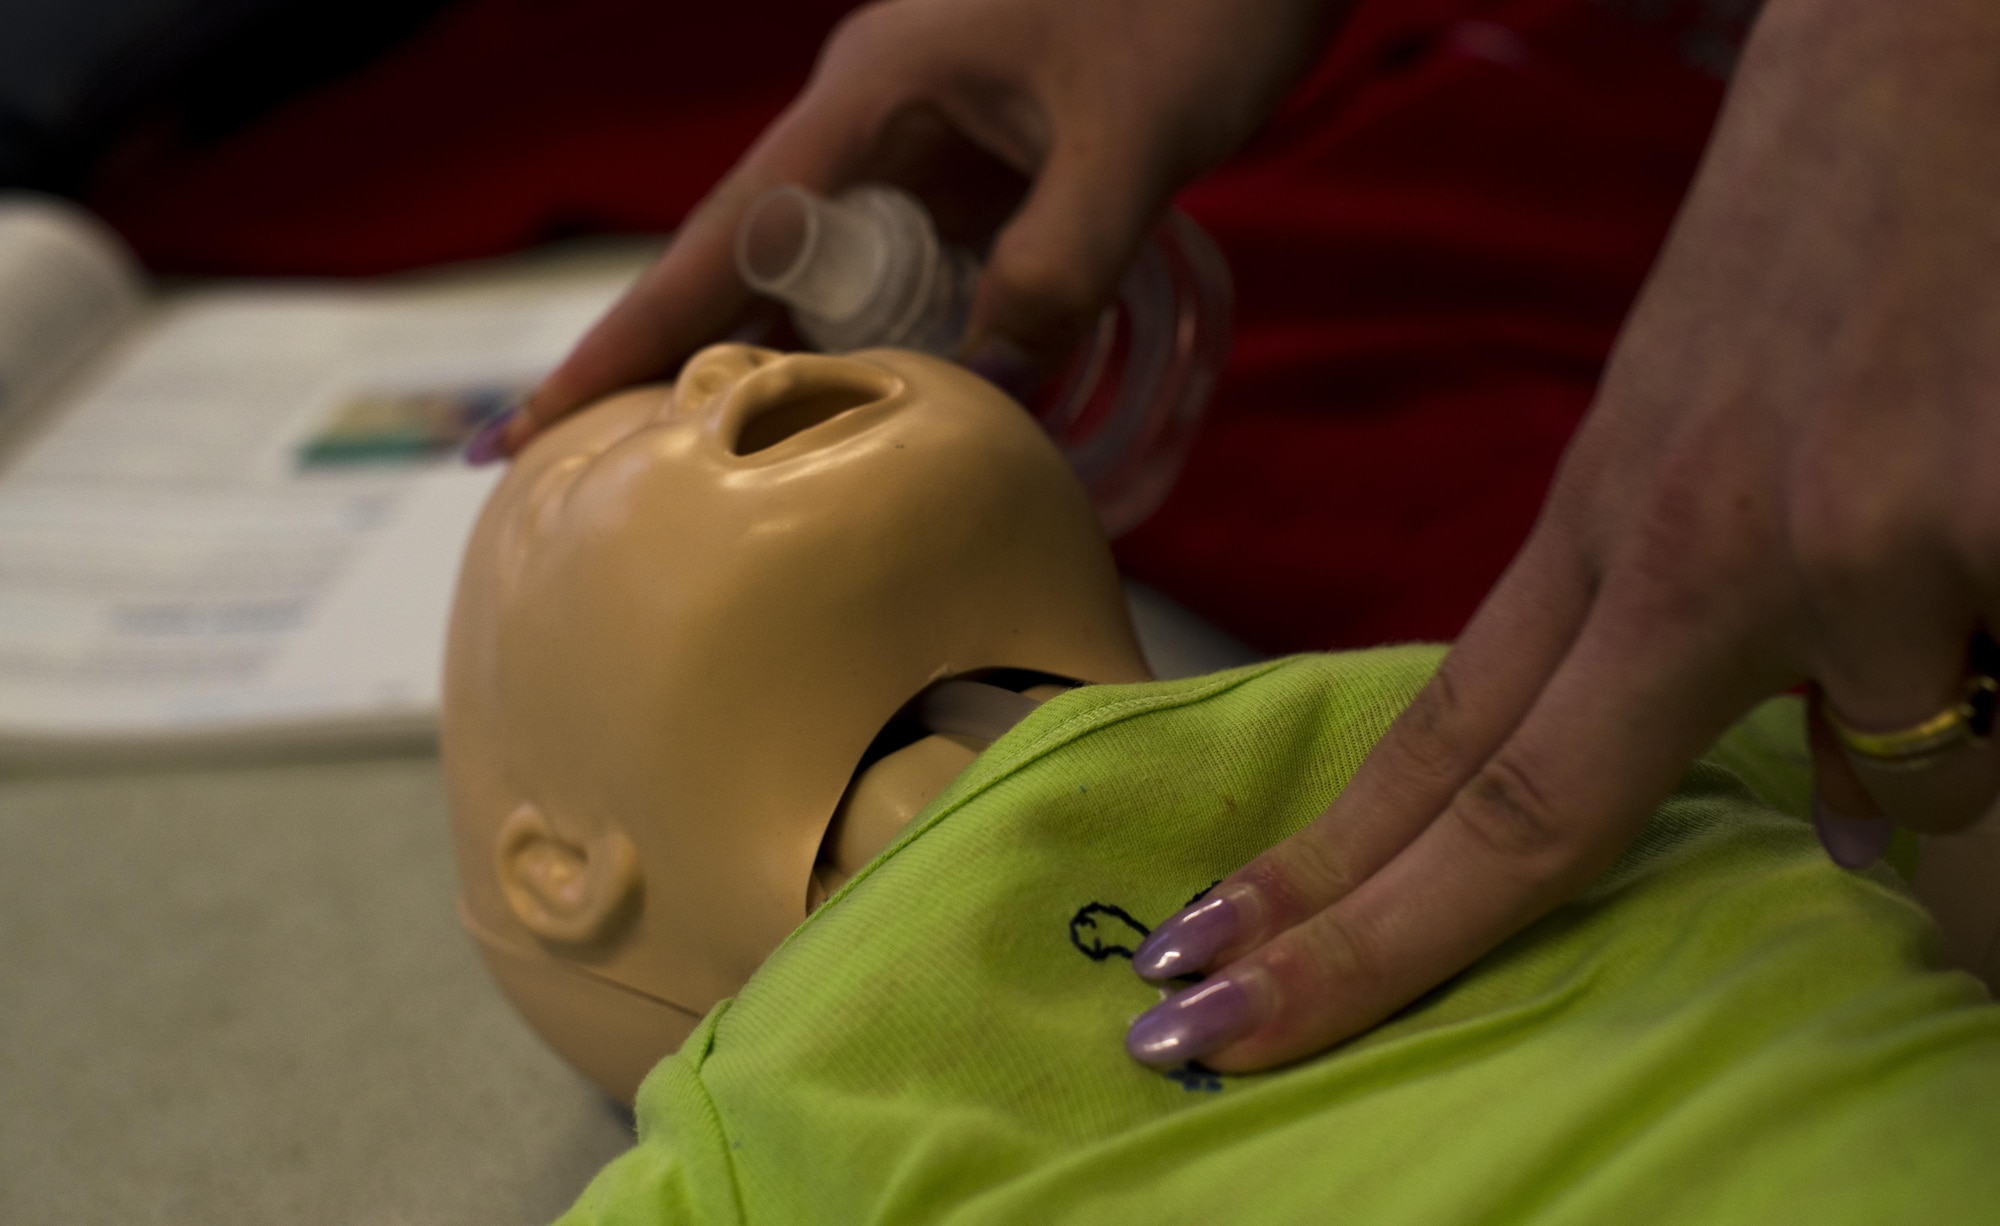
405	426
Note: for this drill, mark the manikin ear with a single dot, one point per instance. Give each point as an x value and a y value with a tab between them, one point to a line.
569	892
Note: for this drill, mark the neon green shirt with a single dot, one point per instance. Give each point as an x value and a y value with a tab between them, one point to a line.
1725	1028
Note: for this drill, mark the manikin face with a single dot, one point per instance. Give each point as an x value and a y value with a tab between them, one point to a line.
683	618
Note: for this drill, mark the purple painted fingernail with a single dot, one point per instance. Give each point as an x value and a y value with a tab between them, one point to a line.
484	447
1853	842
1190	1024
1188	941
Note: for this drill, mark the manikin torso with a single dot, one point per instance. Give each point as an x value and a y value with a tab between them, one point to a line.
715	644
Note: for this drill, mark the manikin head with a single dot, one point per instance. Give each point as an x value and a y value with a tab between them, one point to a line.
683	619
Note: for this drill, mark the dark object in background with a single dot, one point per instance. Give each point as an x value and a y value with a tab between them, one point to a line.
500	125
76	75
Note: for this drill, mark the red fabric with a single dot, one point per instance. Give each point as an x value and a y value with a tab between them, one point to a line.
1433	242
503	124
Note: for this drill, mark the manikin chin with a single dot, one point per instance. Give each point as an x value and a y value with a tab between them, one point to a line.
715	644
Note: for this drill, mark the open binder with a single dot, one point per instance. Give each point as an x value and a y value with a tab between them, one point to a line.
231	514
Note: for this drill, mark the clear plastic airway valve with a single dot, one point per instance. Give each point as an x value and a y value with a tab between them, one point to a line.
867	268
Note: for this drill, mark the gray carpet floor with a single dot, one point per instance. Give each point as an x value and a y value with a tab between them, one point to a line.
241	995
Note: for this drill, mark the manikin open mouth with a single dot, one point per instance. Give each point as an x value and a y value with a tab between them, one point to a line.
917	754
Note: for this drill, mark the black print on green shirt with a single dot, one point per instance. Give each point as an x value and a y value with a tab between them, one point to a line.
1193	1077
1102	930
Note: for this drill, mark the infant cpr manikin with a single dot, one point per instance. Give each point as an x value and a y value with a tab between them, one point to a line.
695	666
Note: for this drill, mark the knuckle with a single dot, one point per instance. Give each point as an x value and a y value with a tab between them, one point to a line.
1839	534
1428	745
1857	505
1504	810
1326	956
1696	552
1296	879
1046	284
875	50
1689	525
864	58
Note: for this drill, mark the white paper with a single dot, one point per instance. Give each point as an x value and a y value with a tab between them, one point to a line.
169	572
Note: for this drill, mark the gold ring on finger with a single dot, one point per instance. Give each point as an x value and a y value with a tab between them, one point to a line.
1912	748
